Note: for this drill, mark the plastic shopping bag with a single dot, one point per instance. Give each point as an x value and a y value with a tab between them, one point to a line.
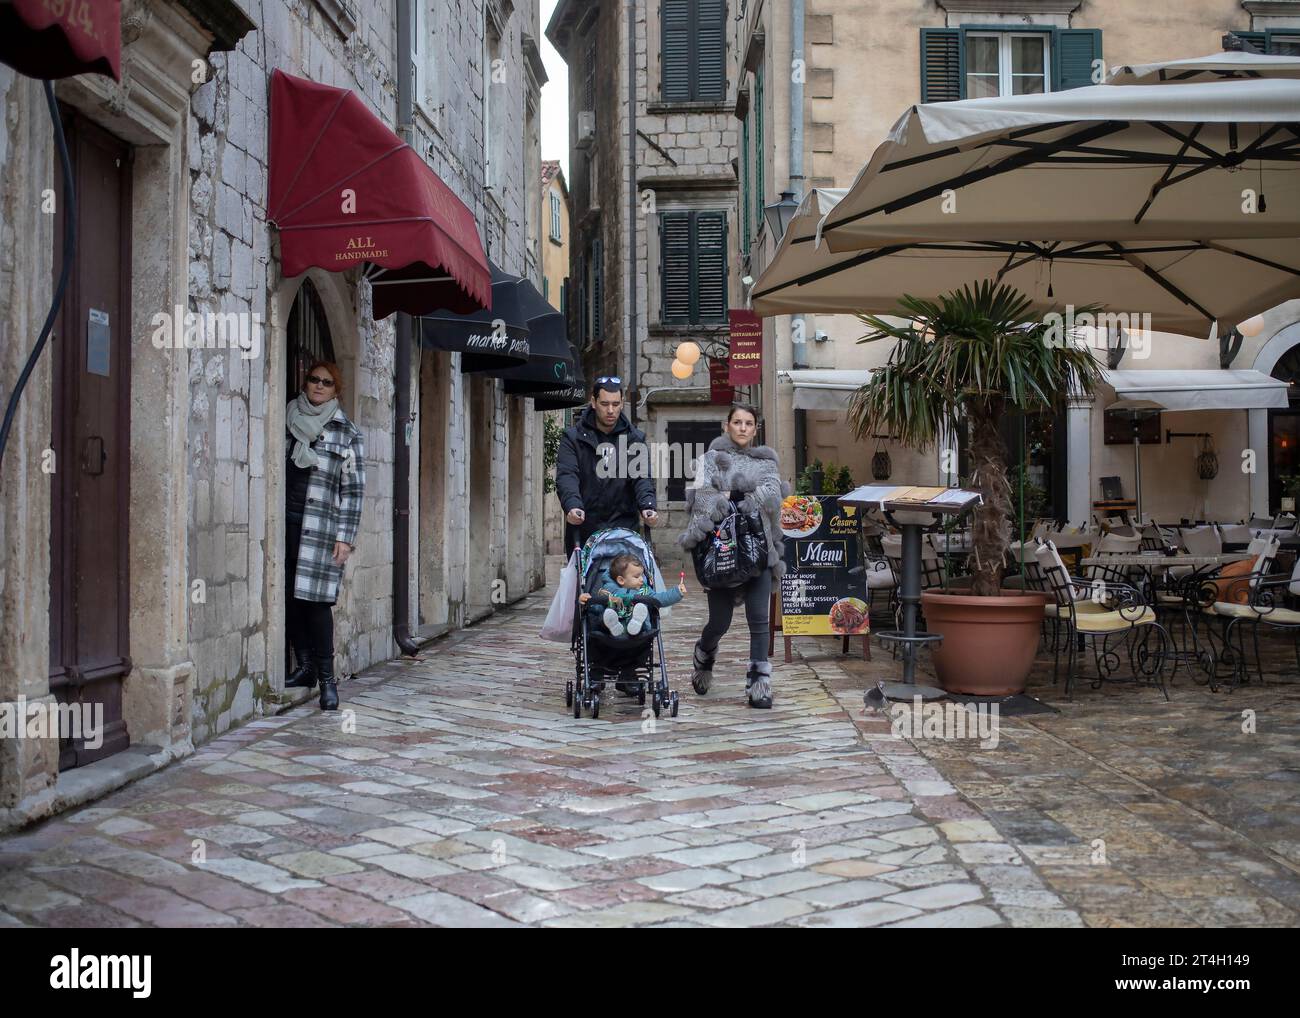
559	618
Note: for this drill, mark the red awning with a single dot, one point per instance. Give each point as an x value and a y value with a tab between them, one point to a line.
85	37
345	190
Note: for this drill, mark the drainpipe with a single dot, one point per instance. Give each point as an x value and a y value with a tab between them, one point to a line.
634	383
402	366
798	323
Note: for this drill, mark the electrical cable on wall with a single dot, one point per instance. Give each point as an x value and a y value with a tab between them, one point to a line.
69	248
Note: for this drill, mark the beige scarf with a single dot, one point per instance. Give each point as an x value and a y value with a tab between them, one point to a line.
306	421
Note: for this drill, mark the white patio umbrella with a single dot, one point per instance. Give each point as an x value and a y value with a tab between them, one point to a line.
1184	285
1107	163
1214	67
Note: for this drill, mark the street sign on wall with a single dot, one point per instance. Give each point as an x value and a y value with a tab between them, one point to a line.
746	361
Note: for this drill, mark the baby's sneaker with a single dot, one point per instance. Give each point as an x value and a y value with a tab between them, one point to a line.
639	614
611	622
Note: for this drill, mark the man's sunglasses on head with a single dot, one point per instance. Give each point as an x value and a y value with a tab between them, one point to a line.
609	378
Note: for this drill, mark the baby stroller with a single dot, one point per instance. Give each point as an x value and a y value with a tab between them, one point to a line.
600	657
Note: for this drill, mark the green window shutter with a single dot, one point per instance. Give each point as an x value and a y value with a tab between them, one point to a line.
676	22
744	185
758	151
1282	42
1257	39
597	289
589	72
675	267
710	267
580	315
943	77
710	54
1073	53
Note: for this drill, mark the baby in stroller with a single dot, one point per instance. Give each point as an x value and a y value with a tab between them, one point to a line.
621	601
616	632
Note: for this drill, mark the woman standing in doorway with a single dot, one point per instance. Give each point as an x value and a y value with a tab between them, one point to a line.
736	469
326	479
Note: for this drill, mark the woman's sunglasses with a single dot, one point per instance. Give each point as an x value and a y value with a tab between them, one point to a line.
327	382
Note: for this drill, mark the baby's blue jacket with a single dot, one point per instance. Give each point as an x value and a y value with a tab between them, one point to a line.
663	598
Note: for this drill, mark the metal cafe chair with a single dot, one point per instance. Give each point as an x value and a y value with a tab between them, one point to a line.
1252	600
1099	610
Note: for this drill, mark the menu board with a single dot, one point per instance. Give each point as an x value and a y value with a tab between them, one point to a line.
819	597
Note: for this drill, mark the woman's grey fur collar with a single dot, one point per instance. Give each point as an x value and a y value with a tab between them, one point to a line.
723	443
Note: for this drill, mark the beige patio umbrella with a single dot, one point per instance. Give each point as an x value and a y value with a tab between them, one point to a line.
1214	67
1184	285
1112	163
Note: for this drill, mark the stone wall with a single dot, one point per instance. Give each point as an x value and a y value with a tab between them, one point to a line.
207	425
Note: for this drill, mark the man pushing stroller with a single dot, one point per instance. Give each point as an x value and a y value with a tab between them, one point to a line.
624	596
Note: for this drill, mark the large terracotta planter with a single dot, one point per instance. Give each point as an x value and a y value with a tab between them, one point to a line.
989	643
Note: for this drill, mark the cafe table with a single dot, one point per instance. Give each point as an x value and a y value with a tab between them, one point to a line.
1156	563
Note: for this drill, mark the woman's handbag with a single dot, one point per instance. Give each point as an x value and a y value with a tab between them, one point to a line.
734	553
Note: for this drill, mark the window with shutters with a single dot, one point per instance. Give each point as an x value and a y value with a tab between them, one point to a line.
1278	43
555	218
693	267
976	61
693	53
1006	63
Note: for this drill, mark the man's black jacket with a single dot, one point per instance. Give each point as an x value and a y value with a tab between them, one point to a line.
612	500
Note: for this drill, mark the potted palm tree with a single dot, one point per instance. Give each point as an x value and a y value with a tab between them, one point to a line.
975	355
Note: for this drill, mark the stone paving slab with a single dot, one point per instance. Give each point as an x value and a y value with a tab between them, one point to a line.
457	790
1133	811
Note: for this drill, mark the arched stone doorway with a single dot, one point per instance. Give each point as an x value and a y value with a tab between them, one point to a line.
307	335
1284	432
307	340
1279	357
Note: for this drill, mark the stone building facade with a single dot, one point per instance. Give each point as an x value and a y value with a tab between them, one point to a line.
200	450
859	75
683	148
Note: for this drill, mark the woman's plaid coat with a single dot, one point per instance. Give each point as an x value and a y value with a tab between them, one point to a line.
333	511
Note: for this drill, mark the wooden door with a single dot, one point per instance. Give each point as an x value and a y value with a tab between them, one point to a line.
89	657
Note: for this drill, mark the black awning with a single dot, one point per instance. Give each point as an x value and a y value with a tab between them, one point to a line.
549	366
486	340
573	395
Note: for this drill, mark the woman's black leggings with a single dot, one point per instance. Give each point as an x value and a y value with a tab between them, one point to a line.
310	624
758	594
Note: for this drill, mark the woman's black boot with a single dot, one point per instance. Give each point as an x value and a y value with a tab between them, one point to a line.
702	675
304	676
329	687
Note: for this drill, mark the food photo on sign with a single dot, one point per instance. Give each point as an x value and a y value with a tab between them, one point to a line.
823	593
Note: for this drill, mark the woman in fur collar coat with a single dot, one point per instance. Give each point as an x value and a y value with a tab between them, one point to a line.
736	469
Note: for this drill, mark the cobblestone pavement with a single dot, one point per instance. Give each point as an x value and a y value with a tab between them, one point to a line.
1138	812
461	792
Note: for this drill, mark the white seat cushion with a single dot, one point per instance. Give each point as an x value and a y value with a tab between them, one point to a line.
880	577
1280	616
1113	622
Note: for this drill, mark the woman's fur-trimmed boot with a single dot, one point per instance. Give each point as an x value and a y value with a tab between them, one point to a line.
758	684
702	676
